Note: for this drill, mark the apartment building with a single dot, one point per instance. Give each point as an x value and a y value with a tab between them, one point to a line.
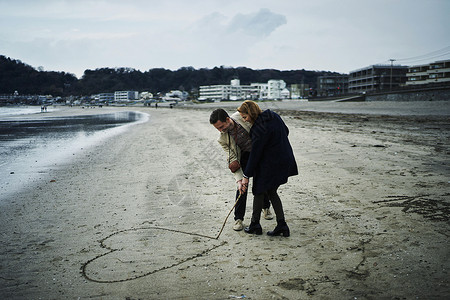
120	96
105	97
274	89
436	72
261	90
332	85
299	91
211	92
377	78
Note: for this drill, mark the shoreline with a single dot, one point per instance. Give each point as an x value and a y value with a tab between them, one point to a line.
368	215
382	108
30	150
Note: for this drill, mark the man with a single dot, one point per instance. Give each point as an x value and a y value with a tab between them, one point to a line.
235	141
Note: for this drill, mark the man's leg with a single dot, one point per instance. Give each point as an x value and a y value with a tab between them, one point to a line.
239	209
266	208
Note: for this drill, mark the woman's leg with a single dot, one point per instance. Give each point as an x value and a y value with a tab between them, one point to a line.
281	228
254	226
258	202
276	203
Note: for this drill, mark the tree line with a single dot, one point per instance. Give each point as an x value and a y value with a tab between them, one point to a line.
18	76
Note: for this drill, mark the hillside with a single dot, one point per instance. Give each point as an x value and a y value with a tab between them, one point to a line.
18	76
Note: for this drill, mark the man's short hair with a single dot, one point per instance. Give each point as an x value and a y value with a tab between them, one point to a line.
218	115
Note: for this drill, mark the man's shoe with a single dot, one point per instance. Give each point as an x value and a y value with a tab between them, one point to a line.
238	225
267	214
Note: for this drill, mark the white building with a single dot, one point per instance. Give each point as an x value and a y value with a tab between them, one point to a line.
214	92
234	91
105	97
274	89
176	95
146	96
262	90
120	96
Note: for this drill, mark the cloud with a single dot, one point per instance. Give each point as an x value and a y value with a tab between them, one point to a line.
260	24
324	34
227	40
257	25
211	24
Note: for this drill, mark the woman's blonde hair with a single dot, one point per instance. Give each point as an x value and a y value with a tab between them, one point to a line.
251	109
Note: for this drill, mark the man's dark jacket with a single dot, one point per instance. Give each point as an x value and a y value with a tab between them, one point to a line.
271	160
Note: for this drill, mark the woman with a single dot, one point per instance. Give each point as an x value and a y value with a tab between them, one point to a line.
270	164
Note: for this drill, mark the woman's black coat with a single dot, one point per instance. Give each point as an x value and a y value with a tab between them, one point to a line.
271	160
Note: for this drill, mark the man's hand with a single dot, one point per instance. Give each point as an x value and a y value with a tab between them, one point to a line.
240	187
243	185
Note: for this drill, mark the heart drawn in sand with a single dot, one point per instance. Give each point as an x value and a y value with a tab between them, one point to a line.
138	252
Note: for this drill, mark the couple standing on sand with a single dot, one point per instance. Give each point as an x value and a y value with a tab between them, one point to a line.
257	145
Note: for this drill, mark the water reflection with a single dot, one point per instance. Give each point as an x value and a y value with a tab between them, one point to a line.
30	146
12	130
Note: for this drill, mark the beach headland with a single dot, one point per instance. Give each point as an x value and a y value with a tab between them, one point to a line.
135	217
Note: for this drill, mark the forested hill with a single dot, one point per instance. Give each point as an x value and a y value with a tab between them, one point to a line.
18	76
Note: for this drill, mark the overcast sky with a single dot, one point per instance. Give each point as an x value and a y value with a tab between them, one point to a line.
335	35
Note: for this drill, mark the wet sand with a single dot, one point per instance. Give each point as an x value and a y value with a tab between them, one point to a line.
135	217
32	143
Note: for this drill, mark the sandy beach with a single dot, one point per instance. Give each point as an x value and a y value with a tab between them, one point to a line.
136	216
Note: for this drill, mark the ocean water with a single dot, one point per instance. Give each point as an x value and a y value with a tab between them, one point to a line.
30	147
7	111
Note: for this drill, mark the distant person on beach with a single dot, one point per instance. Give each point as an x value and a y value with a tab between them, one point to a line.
270	163
235	141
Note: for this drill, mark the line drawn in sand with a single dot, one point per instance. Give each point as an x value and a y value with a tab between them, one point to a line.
138	252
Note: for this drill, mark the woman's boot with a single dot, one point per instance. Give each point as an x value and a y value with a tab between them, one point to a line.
281	229
254	228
